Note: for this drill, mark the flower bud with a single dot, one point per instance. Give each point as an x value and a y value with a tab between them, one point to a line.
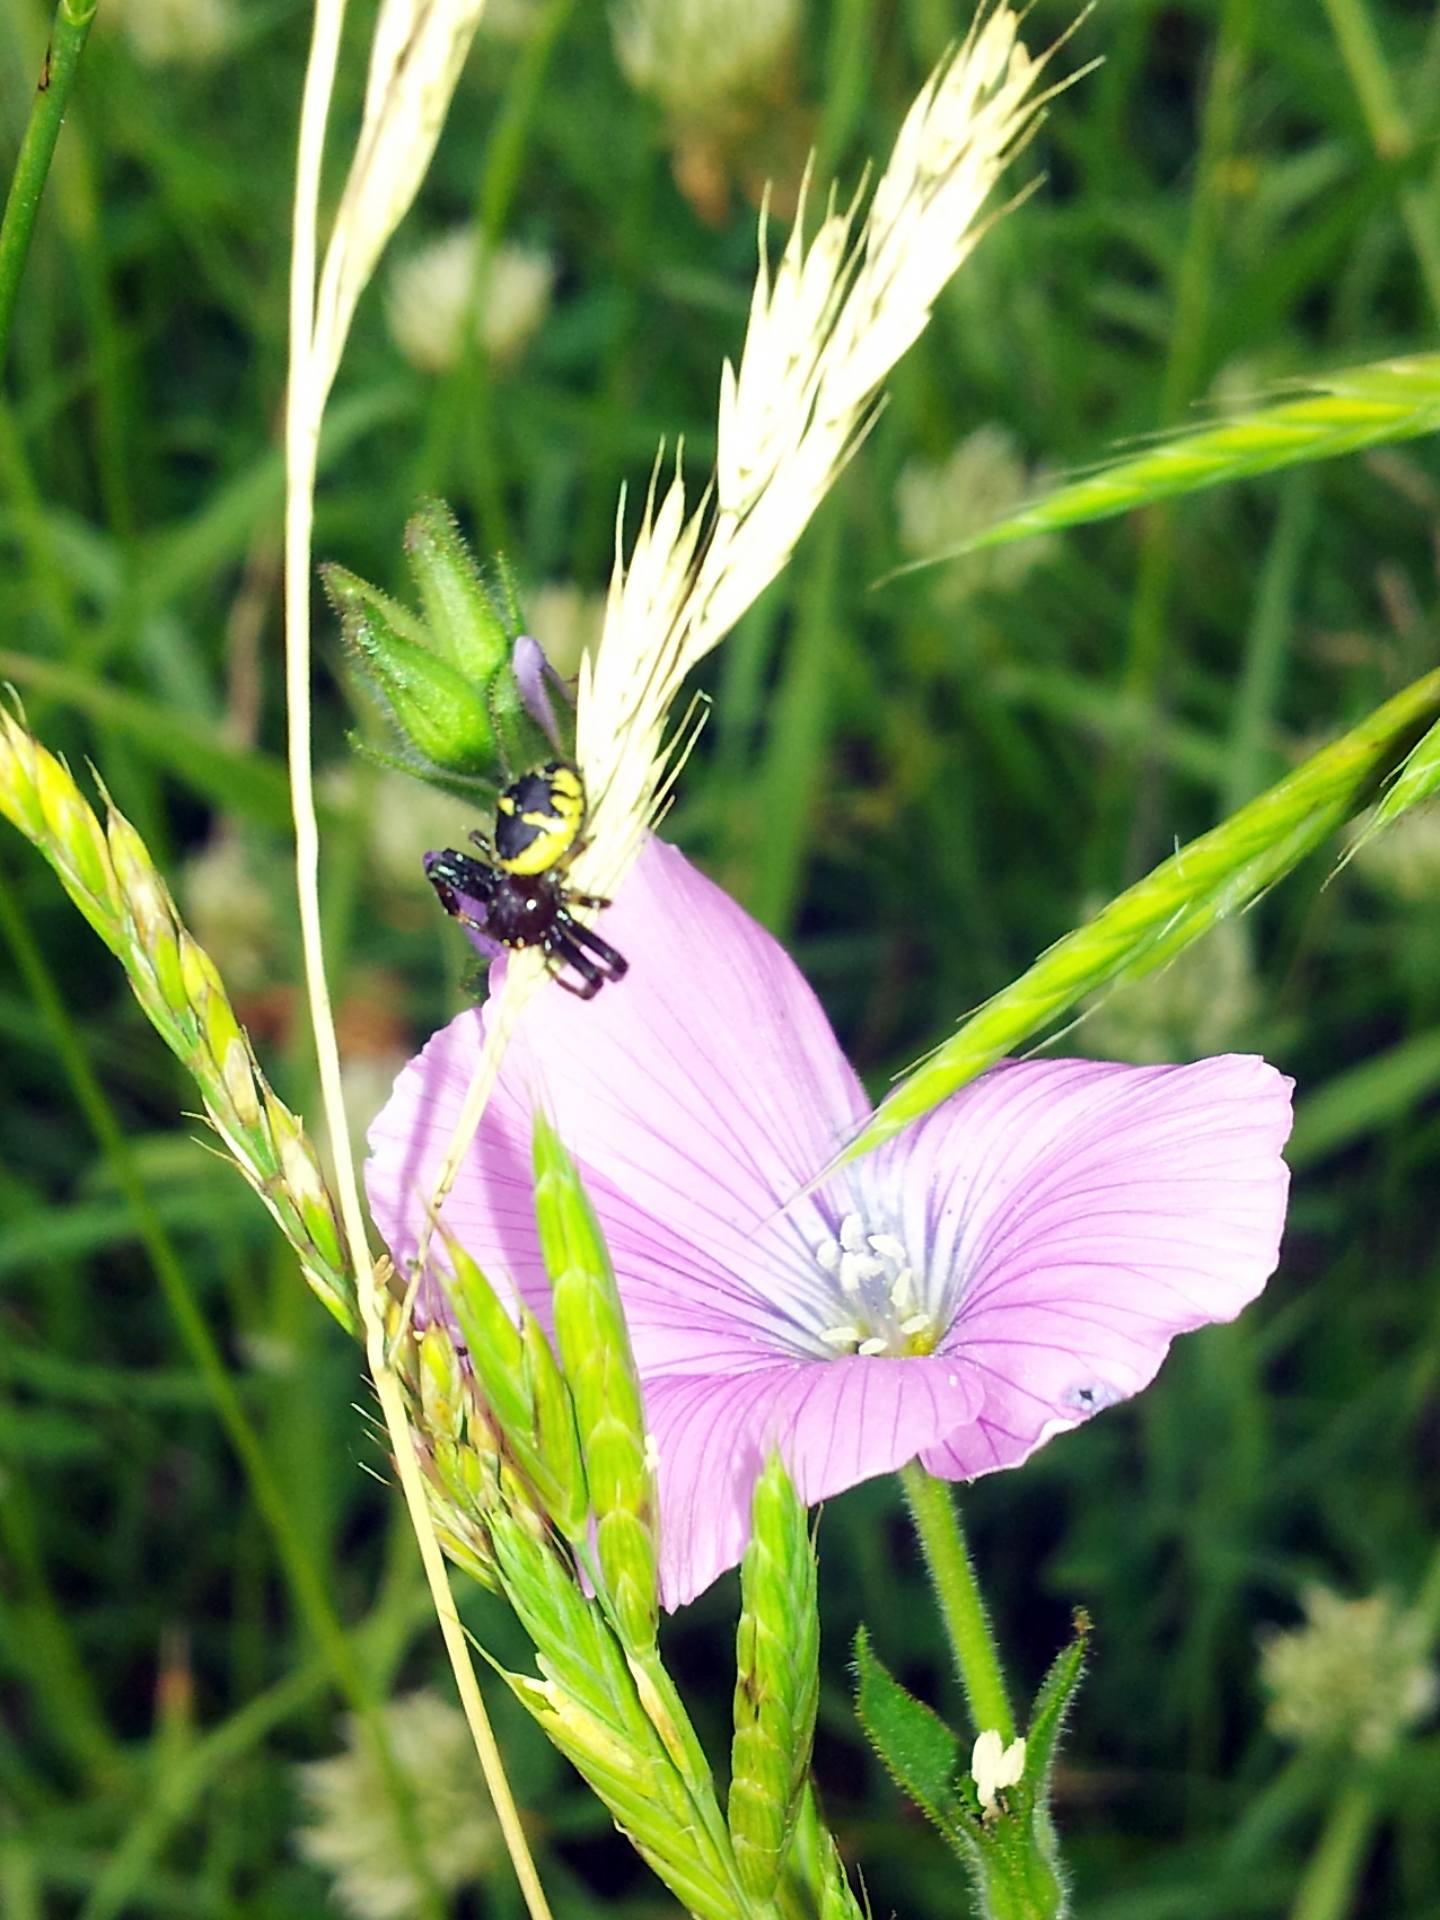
525	1393
463	620
431	702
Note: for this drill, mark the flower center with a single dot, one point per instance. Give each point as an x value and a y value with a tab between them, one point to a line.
874	1287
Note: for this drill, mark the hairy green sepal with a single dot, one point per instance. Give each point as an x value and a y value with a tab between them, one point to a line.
445	676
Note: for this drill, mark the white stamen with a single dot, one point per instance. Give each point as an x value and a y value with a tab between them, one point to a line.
887	1244
843	1339
902	1289
827	1255
871	1347
917	1323
994	1766
856	1269
852	1233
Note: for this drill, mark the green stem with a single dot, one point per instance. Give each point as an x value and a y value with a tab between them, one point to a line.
942	1540
73	20
1328	1888
1389	130
1427	1605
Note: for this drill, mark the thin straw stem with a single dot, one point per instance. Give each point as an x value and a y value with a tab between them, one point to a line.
312	362
312	1599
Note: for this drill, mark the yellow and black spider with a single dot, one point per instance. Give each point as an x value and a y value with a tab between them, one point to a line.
516	895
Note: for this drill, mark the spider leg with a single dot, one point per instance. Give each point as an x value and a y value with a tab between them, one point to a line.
613	965
562	947
596	900
478	839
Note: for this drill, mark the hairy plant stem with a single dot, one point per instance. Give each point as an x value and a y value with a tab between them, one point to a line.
942	1541
73	20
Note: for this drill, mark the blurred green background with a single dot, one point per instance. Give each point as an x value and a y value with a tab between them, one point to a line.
918	787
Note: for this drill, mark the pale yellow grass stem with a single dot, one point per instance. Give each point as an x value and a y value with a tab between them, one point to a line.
312	361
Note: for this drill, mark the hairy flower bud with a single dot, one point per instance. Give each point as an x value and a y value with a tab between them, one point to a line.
461	616
433	704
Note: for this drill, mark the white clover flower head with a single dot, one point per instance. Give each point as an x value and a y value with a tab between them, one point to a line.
567	621
1203	1002
706	62
940	504
231	912
1403	860
1356	1674
174	32
511	21
403	818
354	1833
454	285
994	1766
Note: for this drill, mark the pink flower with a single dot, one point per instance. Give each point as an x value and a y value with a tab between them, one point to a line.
1016	1261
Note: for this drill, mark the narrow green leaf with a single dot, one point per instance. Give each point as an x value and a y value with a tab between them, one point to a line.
918	1750
1051	1704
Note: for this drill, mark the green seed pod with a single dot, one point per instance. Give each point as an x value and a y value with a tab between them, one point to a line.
523	1388
777	1653
464	624
432	702
557	1444
594	1346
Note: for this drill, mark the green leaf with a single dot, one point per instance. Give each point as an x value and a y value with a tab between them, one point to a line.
1051	1704
918	1750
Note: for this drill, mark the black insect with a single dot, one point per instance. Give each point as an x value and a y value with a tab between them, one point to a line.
516	894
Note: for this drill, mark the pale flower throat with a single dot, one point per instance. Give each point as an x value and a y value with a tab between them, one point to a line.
872	1282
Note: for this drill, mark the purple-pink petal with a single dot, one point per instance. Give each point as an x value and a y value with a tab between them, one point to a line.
535	676
1105	1209
698	1094
835	1423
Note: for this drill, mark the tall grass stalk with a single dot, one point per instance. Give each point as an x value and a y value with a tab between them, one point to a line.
415	62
